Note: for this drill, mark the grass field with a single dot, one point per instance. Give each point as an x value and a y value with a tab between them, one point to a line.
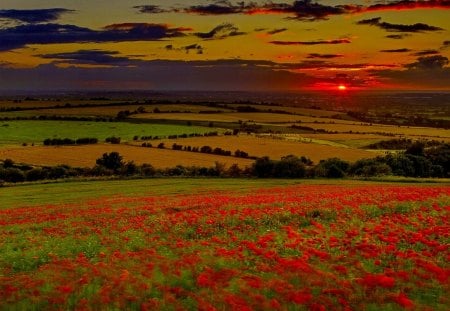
85	156
225	244
18	132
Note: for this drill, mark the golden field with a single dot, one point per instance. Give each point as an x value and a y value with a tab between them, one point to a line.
85	156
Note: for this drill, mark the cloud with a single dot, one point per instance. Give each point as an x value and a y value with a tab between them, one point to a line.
426	72
337	41
20	36
276	31
305	10
429	63
418	27
446	44
192	47
151	9
91	57
220	32
156	75
408	5
323	56
403	50
34	16
398	36
426	52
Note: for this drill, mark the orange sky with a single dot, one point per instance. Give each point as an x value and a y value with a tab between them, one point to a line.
226	45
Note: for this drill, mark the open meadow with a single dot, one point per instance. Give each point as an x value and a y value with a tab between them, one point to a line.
225	244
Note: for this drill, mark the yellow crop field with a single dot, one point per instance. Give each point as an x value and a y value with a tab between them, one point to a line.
85	156
274	148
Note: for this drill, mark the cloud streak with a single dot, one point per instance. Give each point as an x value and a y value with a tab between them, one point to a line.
418	27
221	32
318	42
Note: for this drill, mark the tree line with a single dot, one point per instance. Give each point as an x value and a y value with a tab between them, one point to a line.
416	161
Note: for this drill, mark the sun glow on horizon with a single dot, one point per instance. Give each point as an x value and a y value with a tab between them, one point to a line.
342	87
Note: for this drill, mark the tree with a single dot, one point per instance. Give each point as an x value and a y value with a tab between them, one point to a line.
332	168
112	161
289	167
263	167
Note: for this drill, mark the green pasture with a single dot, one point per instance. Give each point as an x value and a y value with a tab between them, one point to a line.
30	131
76	191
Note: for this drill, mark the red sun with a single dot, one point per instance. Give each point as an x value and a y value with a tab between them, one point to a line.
342	87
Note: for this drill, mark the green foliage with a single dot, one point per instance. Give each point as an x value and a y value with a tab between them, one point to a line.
112	161
332	168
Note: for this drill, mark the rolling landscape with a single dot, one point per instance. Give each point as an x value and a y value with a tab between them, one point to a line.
224	155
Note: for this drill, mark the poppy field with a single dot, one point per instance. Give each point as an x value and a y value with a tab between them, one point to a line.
296	247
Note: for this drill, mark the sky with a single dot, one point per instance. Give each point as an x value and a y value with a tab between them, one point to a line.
277	45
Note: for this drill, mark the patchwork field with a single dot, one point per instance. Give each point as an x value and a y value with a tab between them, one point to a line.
18	132
275	148
225	245
85	156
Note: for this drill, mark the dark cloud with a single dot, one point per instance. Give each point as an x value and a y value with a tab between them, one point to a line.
426	52
218	8
192	47
307	10
91	57
34	16
408	5
429	63
20	36
220	32
276	31
157	75
446	43
151	9
403	50
398	36
337	41
418	27
300	9
427	72
323	56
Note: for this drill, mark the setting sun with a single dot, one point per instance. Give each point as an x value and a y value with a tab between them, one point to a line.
342	88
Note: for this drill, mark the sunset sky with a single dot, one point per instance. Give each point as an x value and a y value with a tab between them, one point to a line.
223	45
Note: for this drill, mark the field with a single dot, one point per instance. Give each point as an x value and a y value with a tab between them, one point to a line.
18	132
277	146
70	155
174	244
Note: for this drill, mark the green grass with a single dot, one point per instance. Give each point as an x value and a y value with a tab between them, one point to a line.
75	191
13	132
66	192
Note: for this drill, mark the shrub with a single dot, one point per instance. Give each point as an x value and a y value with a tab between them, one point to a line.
112	161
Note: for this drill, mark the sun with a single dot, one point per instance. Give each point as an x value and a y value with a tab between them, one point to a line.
342	87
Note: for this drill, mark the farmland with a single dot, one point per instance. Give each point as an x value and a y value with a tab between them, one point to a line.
243	244
18	132
70	155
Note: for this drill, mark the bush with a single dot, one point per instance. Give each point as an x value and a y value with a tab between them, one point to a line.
289	167
13	175
332	168
112	161
263	167
113	140
36	174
